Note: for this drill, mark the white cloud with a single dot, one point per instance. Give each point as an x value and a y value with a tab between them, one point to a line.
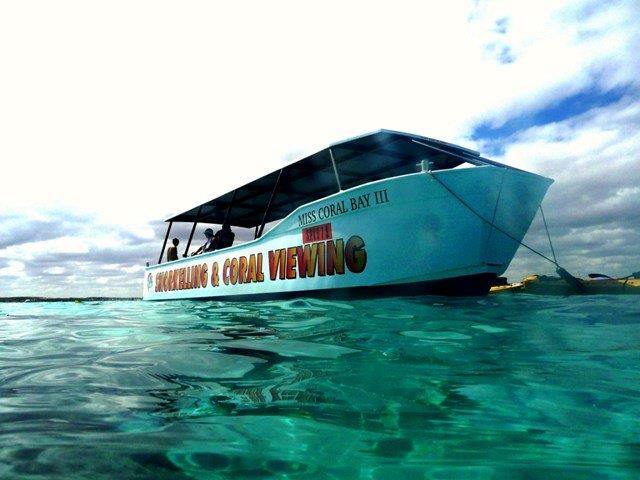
55	270
28	251
134	269
13	269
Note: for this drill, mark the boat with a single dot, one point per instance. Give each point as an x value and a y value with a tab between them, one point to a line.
382	214
597	284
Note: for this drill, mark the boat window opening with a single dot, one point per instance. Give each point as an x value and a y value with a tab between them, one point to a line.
194	234
241	235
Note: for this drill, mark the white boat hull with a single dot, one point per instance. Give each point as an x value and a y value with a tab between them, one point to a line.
401	235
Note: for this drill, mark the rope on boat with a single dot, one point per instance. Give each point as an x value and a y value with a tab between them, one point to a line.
566	276
544	220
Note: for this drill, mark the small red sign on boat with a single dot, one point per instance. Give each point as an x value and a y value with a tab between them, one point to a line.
317	233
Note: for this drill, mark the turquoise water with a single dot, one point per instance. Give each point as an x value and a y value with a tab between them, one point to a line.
511	387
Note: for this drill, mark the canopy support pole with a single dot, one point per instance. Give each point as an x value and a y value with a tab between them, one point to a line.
335	169
193	229
164	245
233	198
266	211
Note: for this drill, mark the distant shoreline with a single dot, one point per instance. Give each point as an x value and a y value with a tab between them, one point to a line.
65	299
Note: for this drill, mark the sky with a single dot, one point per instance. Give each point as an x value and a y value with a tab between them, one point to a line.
116	115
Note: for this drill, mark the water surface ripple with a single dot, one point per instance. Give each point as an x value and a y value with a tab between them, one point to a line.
513	387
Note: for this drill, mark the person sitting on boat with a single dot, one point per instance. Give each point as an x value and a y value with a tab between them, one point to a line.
224	237
172	252
209	245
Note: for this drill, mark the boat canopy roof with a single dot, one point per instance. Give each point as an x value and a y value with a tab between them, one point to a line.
359	160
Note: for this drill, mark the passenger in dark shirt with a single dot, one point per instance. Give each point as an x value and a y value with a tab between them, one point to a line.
172	253
224	238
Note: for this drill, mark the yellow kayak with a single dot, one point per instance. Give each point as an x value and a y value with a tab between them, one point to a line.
544	285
